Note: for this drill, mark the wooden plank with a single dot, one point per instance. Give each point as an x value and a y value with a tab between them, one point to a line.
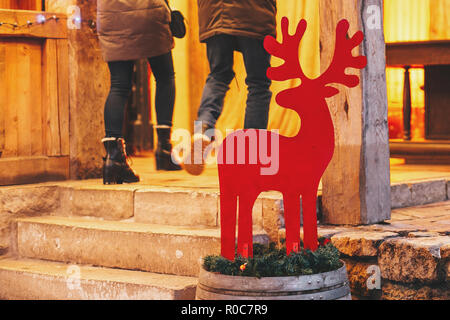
51	29
36	98
24	170
356	185
23	100
21	4
5	4
50	115
423	53
2	94
63	93
11	123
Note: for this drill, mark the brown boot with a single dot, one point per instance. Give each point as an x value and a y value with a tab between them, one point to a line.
194	162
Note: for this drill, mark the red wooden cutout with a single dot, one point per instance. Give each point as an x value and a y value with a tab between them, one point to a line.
302	159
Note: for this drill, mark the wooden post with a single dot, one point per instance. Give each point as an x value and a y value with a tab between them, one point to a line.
356	185
407	105
88	88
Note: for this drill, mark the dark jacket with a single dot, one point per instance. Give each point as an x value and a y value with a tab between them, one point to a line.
248	18
133	29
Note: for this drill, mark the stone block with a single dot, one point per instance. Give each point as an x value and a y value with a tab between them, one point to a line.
359	274
111	203
400	196
272	215
401	291
125	245
44	280
176	207
360	243
428	192
448	190
24	201
412	260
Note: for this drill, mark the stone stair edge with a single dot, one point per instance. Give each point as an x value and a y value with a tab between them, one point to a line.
121	226
91	272
41	279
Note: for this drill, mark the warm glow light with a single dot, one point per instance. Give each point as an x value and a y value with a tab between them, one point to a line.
406	20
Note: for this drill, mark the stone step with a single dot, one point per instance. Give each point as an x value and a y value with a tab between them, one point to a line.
27	279
117	244
159	205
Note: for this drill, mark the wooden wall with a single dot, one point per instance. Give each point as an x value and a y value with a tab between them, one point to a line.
21	4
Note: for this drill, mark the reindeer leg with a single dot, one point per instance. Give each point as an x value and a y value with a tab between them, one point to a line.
309	202
228	206
245	231
292	221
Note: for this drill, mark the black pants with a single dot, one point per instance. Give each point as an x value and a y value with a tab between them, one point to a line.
121	84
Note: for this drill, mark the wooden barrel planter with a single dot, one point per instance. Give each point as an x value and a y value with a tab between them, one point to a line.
323	286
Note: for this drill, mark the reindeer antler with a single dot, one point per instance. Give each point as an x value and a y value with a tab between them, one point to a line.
288	51
344	59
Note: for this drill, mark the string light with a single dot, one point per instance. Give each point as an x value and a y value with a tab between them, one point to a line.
41	19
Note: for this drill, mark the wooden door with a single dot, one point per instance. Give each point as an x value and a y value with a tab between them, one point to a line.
34	96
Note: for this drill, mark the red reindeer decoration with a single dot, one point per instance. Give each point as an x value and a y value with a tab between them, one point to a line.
302	159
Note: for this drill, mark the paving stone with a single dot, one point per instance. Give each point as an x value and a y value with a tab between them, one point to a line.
412	259
400	291
360	243
330	231
422	234
402	228
428	192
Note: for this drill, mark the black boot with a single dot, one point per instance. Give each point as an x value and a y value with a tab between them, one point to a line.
194	161
116	169
163	154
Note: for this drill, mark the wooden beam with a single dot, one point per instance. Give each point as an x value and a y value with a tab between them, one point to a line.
22	170
422	53
3	102
356	186
53	29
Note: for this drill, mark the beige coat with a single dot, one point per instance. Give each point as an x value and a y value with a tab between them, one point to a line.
133	29
248	18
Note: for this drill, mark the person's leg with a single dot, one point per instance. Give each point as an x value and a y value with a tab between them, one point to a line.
220	51
163	70
115	167
257	61
121	77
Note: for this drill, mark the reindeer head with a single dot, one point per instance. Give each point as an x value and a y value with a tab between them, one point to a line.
319	88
